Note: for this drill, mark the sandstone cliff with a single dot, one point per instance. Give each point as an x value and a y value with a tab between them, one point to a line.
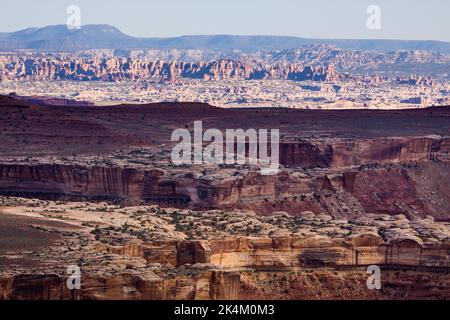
343	178
148	252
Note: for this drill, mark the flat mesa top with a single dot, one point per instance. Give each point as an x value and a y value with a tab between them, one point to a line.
66	130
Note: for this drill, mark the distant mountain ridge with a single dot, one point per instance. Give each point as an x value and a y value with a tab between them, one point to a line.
60	38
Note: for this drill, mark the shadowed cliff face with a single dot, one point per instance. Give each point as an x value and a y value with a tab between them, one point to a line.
122	154
355	189
354	152
308	284
389	184
204	286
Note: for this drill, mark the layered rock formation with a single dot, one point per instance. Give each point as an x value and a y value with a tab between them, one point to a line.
354	152
153	253
206	285
354	189
387	175
118	68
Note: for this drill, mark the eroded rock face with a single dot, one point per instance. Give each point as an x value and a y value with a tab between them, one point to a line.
117	68
343	285
346	153
302	251
154	253
108	183
416	189
337	205
204	286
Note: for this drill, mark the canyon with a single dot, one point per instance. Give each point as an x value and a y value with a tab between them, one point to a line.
147	252
402	171
93	186
395	189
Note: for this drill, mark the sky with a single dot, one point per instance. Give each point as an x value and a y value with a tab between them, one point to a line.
337	19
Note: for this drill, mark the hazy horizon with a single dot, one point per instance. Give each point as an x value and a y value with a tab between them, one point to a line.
321	19
229	34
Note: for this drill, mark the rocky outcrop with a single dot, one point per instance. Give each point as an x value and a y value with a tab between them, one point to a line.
96	183
296	251
148	252
119	68
386	175
206	285
354	152
414	189
344	284
309	284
